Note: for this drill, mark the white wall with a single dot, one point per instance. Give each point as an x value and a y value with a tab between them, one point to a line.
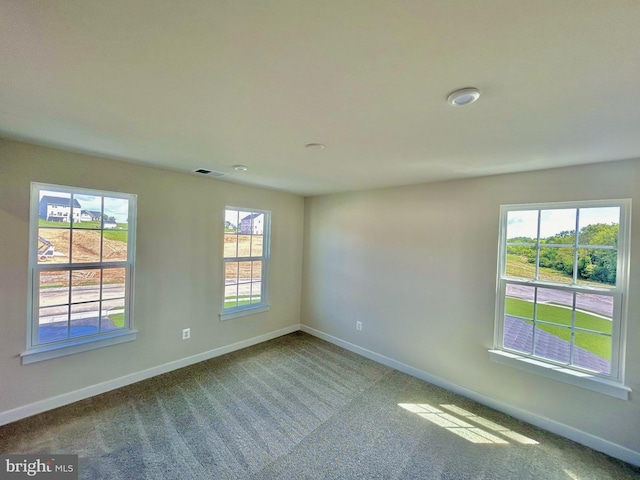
417	265
179	269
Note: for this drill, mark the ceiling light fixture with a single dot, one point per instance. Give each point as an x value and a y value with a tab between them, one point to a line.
240	168
464	96
314	146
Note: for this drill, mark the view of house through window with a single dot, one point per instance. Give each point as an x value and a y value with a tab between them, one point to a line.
82	258
561	283
246	258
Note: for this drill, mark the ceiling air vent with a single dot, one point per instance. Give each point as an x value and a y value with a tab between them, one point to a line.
211	173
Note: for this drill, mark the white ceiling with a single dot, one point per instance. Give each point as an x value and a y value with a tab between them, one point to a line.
212	83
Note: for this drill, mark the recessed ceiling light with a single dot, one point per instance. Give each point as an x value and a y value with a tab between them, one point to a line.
240	168
464	96
314	146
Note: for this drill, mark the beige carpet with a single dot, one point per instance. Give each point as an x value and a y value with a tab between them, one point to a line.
299	408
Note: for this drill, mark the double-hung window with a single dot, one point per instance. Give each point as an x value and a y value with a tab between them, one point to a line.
246	261
561	291
81	265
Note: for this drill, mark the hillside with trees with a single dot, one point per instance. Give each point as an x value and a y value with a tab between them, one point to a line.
595	264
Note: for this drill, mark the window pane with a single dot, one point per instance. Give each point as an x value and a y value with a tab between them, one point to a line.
116	213
246	222
53	245
521	261
256	245
85	246
244	245
87	211
552	342
554	306
597	266
54	288
256	271
599	226
230	245
230	273
85	285
113	282
522	292
54	209
76	212
257	223
112	315
52	324
518	318
518	334
558	226
230	296
244	293
600	306
244	272
256	291
84	319
231	221
522	226
114	246
592	351
556	264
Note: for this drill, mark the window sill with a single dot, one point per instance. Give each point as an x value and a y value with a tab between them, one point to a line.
47	352
579	379
243	312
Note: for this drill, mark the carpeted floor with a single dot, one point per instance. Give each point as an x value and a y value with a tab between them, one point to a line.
299	408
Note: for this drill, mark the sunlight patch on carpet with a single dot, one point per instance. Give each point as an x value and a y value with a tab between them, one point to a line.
456	420
572	475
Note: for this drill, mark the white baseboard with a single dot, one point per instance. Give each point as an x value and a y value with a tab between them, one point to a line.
612	449
67	398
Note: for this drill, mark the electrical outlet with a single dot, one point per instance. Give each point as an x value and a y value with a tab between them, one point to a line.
358	325
186	333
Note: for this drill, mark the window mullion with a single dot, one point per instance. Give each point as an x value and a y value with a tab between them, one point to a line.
238	228
573	327
251	281
534	320
617	336
101	231
69	304
251	236
35	305
575	248
100	298
537	271
70	245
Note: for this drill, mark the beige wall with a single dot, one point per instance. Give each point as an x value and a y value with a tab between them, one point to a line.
417	265
178	272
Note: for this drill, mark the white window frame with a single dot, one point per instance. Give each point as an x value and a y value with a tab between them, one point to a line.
263	305
612	384
36	352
